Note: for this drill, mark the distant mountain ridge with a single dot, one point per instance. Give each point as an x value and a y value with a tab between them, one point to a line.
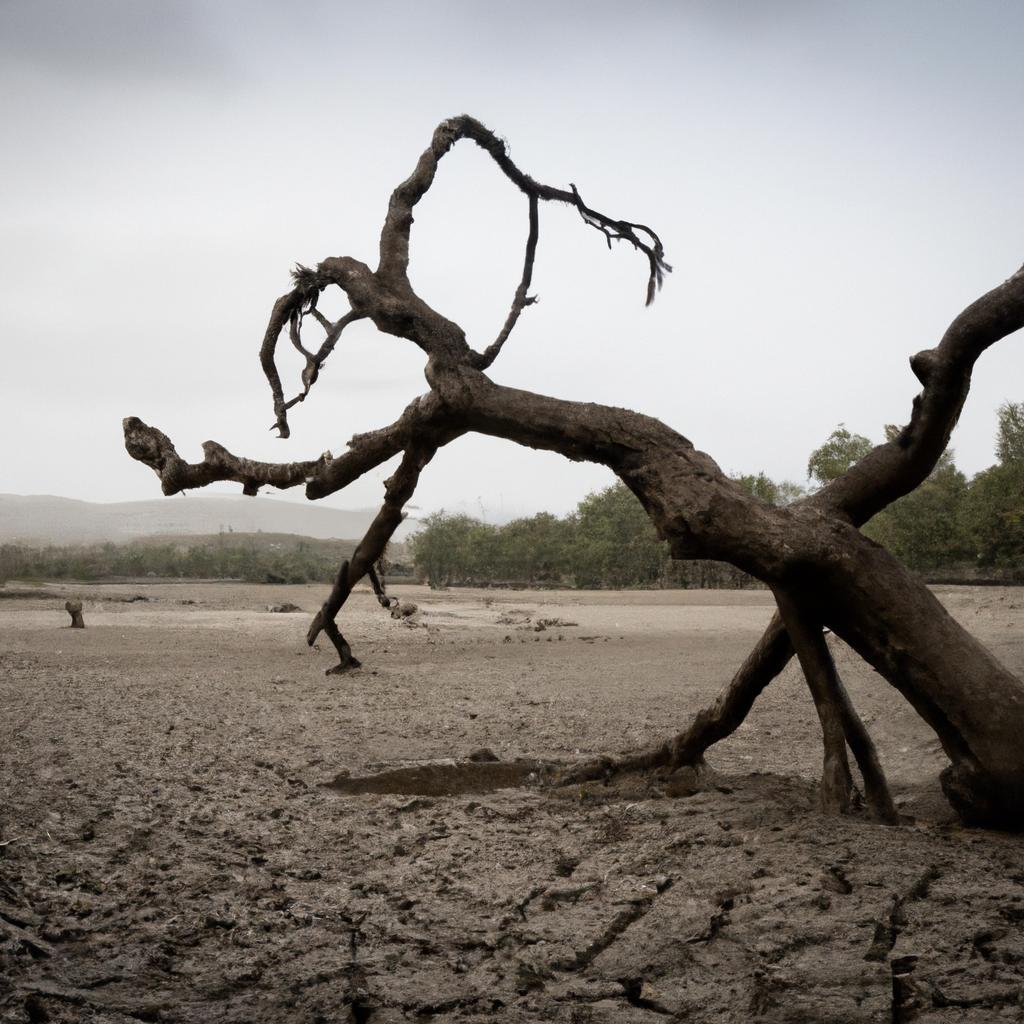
45	519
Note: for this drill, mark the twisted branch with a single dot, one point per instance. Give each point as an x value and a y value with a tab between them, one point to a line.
398	489
462	398
896	467
713	724
426	416
394	241
290	310
154	448
521	300
386	295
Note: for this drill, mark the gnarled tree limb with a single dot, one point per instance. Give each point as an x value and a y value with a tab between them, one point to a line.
819	671
394	240
424	416
521	299
885	474
398	490
895	468
863	594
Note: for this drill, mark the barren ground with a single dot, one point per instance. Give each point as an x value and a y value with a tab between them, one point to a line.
169	850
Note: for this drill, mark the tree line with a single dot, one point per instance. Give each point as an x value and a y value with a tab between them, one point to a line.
254	557
950	528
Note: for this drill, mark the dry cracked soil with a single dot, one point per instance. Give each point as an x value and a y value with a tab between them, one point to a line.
197	824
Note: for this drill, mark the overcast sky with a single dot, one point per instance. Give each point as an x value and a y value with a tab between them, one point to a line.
833	182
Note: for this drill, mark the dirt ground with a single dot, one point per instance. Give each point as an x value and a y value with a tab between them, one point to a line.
170	849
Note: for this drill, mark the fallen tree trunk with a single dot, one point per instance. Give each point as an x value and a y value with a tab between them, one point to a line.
824	572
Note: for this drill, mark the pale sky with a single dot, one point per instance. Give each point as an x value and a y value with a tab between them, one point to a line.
833	183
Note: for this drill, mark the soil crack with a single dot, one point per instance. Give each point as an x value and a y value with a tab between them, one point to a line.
888	929
618	925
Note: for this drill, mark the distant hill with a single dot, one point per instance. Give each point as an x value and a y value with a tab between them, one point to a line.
45	519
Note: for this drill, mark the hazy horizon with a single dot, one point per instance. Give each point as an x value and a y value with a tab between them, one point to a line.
833	184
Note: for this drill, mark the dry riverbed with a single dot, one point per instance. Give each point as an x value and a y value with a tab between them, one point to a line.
171	848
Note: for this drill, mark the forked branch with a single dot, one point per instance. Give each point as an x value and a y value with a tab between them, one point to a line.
885	474
290	310
426	417
394	242
836	781
385	295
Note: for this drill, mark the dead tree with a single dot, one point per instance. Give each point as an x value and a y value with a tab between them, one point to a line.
820	567
74	609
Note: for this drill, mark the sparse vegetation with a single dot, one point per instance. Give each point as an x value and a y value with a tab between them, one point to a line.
253	557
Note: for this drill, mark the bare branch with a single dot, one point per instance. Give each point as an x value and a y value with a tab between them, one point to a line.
154	448
768	658
294	329
424	419
868	599
291	309
394	241
398	490
876	787
711	725
626	231
333	334
888	472
895	468
279	316
322	320
311	372
521	299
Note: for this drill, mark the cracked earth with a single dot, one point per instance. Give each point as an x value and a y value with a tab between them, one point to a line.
196	824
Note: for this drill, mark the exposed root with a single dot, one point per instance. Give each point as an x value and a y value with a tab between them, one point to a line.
765	662
877	794
822	680
840	723
768	658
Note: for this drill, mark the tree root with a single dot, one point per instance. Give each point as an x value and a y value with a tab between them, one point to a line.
876	788
840	723
768	658
764	663
823	682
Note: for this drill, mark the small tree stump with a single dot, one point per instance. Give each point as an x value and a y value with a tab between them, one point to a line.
74	609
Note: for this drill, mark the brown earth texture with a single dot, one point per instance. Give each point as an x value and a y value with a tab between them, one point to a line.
197	824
